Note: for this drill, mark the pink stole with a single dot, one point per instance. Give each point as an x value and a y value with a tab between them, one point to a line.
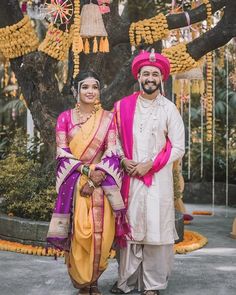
125	117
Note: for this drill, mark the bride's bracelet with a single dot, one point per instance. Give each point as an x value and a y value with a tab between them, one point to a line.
122	162
89	173
85	170
91	184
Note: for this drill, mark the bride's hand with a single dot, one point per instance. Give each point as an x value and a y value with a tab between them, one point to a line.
97	177
86	190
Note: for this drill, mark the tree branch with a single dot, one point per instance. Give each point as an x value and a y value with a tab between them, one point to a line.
196	15
117	28
220	35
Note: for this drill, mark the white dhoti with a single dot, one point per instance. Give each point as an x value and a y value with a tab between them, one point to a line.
145	267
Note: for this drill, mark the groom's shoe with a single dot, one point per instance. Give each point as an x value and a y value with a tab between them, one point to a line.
151	292
115	290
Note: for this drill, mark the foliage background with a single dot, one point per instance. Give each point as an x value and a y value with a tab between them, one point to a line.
26	189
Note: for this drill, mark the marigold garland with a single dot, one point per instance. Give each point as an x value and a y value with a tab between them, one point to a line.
221	60
56	43
202	213
179	58
29	249
208	11
18	39
77	44
192	241
149	30
35	250
6	75
178	181
209	96
209	75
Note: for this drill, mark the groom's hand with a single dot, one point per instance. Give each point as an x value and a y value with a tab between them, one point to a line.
141	169
129	165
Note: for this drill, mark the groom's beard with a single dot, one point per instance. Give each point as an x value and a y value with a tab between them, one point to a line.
150	89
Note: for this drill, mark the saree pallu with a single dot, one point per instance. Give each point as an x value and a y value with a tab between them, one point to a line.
85	227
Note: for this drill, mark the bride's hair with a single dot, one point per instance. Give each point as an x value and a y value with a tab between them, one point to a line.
84	75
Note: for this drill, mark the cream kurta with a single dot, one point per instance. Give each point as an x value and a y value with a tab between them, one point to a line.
151	210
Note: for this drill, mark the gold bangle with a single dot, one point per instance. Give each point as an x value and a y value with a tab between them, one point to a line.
81	169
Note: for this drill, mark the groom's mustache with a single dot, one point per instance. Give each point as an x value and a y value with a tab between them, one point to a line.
148	82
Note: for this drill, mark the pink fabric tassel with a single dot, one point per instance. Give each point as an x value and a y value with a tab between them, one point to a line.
122	229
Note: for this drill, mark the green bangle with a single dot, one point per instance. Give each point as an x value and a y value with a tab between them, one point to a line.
121	162
85	170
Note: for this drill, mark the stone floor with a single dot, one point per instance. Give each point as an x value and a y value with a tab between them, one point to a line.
209	271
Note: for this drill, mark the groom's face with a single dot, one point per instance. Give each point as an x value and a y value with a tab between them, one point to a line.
150	79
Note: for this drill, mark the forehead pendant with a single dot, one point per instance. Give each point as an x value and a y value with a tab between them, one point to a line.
152	56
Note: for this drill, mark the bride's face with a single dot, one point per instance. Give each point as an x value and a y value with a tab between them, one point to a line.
89	91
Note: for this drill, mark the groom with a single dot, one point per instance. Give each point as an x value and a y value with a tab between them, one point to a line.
151	138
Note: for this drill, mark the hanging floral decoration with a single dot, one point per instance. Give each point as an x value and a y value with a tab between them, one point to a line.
181	88
178	180
92	29
87	30
232	79
56	43
180	59
221	59
104	6
6	77
18	39
209	75
77	43
148	30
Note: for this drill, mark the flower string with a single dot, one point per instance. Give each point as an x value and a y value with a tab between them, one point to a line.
77	44
209	75
18	39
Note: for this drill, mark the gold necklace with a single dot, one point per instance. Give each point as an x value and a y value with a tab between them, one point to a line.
81	116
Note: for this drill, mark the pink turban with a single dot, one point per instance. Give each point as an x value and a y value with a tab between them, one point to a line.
153	59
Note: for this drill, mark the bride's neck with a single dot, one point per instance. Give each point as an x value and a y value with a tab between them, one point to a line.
86	108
